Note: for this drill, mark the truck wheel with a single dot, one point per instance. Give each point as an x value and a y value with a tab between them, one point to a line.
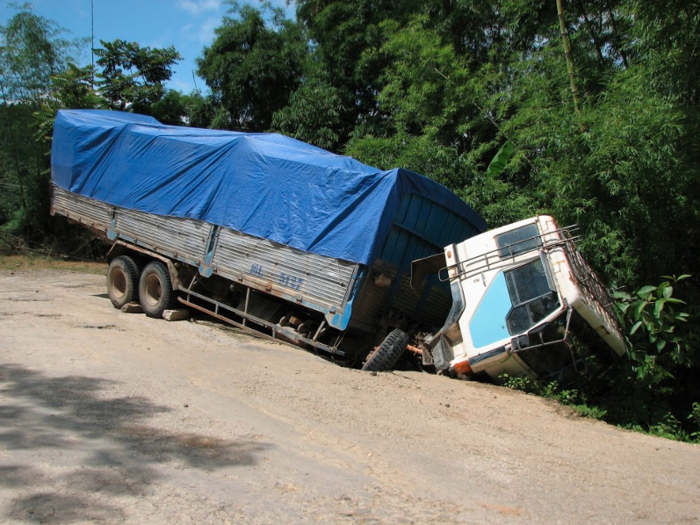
123	281
156	290
385	356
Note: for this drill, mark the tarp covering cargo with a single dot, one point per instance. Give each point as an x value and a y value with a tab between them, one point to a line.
265	185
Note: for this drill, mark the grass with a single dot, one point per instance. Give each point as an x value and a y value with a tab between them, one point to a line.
39	262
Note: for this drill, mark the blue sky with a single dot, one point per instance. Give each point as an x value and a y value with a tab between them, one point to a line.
186	24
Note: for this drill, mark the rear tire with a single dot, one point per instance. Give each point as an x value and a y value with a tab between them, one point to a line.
156	293
387	354
123	281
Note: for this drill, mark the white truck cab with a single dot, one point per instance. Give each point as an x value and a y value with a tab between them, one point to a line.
523	297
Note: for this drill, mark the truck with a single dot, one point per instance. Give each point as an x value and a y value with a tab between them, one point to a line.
315	249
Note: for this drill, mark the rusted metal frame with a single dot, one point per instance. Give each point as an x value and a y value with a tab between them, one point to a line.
246	316
589	279
592	286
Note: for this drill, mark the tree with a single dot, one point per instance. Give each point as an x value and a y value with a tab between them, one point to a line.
32	49
348	38
439	118
71	89
201	110
132	78
252	67
313	115
173	108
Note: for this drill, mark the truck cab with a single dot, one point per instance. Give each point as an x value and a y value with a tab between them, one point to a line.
525	303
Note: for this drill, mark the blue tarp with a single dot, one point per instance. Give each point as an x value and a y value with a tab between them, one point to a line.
266	185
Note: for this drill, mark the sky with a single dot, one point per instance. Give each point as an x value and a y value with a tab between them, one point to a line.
186	24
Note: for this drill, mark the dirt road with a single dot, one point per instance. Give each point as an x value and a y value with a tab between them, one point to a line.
108	417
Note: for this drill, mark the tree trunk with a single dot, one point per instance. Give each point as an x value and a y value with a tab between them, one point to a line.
569	63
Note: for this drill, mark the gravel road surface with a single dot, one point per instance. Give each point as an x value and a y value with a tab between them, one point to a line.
108	417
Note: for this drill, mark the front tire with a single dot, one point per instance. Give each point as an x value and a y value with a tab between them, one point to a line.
156	290
387	354
123	281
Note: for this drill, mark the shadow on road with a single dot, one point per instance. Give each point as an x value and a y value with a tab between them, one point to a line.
72	419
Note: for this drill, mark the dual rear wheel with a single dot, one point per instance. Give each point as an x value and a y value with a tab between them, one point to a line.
123	281
151	287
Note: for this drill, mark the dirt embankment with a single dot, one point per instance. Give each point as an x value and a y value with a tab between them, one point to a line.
114	418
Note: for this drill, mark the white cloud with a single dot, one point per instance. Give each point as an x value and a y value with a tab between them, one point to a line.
195	7
203	33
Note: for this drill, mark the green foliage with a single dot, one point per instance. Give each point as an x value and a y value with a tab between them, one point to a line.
498	164
614	181
669	427
32	49
313	115
172	108
521	383
348	38
71	89
694	417
572	398
201	109
652	316
252	68
132	77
